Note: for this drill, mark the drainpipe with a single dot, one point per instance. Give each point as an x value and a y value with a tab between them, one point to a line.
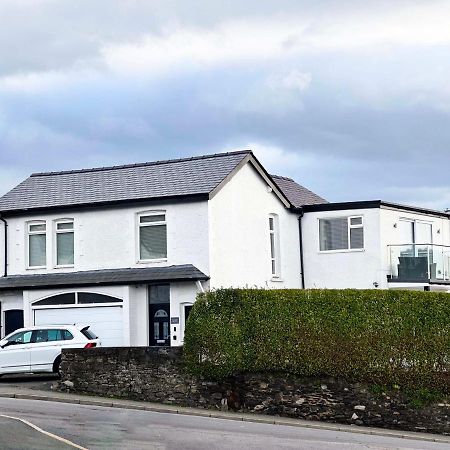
5	224
200	286
300	239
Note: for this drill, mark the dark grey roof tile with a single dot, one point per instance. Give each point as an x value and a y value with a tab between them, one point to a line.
172	178
298	195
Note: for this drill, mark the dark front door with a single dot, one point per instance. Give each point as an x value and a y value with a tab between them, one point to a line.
13	320
159	324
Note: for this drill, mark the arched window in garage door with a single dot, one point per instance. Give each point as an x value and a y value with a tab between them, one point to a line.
76	298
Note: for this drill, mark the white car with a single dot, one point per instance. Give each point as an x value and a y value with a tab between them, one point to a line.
38	349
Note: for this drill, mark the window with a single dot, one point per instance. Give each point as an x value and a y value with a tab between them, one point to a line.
76	298
274	236
60	299
51	335
37	255
158	293
23	337
67	335
152	237
341	233
417	233
187	310
90	297
64	243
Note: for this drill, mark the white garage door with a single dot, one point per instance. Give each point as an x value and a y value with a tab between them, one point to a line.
105	321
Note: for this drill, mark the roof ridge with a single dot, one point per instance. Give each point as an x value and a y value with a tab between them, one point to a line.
143	164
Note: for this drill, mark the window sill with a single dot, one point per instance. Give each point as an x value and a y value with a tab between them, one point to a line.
36	268
150	261
352	250
69	266
277	280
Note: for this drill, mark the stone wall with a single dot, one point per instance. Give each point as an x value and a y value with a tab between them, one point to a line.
157	375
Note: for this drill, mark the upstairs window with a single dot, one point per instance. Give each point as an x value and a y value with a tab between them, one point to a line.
37	242
152	236
64	243
341	233
274	236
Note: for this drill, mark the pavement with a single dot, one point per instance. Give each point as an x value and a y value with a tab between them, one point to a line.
68	420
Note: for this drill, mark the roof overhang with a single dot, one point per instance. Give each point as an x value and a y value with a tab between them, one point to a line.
107	277
172	199
371	204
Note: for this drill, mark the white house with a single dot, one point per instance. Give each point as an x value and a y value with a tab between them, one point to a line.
126	249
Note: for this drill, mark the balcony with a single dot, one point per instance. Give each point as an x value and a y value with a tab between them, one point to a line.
418	263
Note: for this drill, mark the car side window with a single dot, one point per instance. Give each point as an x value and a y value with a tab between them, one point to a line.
56	335
67	335
41	336
23	337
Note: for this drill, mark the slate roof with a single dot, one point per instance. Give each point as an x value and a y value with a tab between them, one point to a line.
186	272
160	179
186	177
298	195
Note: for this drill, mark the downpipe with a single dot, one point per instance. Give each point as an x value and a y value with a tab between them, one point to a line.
300	239
5	225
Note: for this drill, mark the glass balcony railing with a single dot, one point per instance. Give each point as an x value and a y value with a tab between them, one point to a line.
419	262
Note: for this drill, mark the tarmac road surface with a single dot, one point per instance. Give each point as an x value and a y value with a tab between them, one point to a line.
93	427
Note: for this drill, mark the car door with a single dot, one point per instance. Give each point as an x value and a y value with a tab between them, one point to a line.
46	346
15	355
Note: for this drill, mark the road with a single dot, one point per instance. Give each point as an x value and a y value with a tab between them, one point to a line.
111	428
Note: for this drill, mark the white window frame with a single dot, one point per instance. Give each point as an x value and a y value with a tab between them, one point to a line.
415	222
150	224
275	259
32	233
349	227
55	242
182	323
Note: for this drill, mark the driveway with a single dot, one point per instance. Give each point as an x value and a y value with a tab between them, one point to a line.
14	383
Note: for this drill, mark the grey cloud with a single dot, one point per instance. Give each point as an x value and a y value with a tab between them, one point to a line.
371	124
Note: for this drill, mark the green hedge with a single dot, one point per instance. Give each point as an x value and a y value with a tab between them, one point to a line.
380	336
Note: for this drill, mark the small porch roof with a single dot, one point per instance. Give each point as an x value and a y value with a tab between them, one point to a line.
105	277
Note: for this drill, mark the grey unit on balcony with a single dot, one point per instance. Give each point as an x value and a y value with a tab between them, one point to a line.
418	263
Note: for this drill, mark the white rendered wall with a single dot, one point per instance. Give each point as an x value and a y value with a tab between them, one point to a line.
239	235
108	238
138	296
342	269
181	294
2	248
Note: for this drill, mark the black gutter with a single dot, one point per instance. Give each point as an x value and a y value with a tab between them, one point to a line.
5	223
154	201
371	204
300	237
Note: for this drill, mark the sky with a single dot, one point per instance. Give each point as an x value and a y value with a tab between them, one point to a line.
350	98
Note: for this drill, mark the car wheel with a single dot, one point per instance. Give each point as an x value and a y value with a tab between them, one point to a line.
57	365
